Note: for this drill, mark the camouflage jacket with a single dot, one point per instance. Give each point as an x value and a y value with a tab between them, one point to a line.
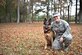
62	28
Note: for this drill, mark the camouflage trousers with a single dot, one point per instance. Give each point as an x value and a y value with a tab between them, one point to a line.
58	45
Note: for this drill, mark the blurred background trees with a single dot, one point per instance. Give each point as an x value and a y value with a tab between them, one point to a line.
36	10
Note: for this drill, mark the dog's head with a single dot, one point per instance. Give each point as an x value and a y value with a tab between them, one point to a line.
47	23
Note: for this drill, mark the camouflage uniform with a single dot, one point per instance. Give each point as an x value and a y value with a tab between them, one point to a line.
62	29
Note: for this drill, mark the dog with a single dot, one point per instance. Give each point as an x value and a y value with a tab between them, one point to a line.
48	33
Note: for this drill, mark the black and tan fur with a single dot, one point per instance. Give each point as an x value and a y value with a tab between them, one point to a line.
48	33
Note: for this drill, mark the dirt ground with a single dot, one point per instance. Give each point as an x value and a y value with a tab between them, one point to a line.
28	39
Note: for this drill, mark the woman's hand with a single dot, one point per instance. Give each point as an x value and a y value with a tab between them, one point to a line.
61	39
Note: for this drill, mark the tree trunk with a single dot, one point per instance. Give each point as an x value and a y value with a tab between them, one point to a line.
32	13
48	10
80	12
18	12
68	14
6	10
63	13
76	13
55	8
29	10
10	17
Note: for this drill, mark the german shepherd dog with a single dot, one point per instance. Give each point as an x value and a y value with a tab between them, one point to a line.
48	33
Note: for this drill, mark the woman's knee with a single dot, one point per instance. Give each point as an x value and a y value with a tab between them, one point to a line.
69	37
56	45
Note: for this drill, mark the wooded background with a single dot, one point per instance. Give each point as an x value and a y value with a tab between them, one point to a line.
28	11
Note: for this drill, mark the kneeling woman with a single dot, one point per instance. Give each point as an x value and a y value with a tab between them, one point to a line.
63	36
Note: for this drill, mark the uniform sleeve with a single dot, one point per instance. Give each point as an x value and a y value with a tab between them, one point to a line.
67	29
51	25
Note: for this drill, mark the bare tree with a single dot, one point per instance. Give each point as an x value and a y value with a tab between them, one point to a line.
80	12
18	12
76	12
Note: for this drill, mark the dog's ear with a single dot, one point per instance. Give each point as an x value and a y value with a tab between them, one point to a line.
45	20
49	20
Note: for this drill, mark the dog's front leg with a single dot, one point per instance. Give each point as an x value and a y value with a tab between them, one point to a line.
45	47
46	38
